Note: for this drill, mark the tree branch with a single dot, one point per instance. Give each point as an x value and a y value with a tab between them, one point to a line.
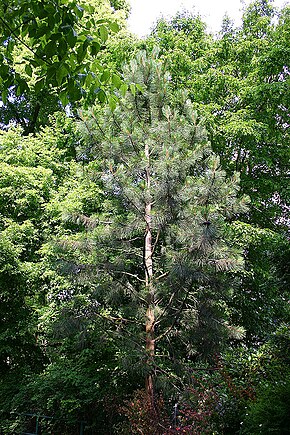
24	43
175	319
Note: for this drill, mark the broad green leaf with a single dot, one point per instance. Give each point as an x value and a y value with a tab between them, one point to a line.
116	81
61	73
32	30
80	54
71	39
112	103
51	72
101	21
123	89
39	86
62	47
89	79
95	48
105	76
103	33
63	98
28	69
18	91
50	49
50	9
42	30
79	11
22	86
51	21
4	95
55	36
114	26
101	96
42	13
4	70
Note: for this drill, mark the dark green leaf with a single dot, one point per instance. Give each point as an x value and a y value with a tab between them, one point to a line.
105	76
80	54
42	30
4	95
39	86
71	39
50	49
55	36
28	69
62	71
62	47
4	70
95	48
101	96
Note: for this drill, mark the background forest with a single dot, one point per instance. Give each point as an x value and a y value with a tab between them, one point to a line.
144	222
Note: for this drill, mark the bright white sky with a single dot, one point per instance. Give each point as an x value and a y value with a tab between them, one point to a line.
144	13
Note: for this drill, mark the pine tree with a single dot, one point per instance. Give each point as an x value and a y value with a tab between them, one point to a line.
160	255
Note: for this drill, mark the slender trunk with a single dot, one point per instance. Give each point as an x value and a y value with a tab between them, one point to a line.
148	262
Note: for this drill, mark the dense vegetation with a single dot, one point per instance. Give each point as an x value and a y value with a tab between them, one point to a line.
144	200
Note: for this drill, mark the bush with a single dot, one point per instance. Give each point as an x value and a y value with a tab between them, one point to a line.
270	412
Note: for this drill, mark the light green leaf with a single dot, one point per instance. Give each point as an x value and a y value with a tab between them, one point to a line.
123	89
133	89
116	81
63	98
103	33
114	26
112	103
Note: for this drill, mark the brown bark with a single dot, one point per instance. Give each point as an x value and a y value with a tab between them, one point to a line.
148	262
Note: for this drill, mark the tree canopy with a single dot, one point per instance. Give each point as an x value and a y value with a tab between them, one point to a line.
144	278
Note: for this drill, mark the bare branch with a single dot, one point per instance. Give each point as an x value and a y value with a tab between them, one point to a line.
131	274
156	240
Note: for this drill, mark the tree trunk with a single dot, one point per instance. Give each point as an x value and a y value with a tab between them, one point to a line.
148	263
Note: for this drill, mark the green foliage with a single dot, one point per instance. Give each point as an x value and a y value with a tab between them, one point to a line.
58	37
32	169
239	83
73	292
192	201
265	371
30	110
270	412
262	304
